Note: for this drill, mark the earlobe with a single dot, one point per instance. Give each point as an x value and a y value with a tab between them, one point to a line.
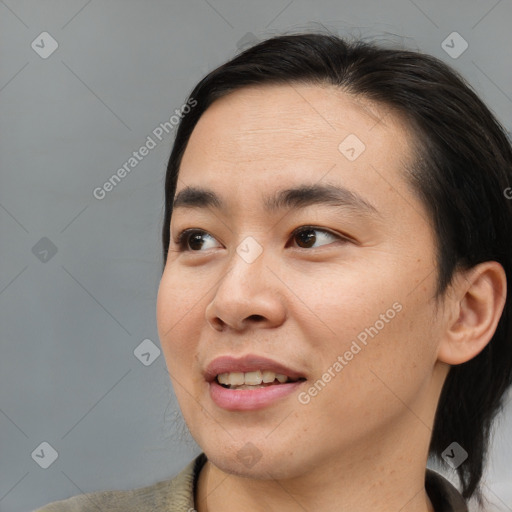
476	303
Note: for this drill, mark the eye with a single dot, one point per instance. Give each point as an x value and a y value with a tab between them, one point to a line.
305	235
191	237
192	240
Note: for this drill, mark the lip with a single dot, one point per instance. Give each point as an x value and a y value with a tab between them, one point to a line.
249	399
247	363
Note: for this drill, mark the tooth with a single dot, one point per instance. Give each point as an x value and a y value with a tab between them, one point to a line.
253	378
236	378
223	378
268	376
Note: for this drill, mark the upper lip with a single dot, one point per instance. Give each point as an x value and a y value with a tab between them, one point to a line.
247	363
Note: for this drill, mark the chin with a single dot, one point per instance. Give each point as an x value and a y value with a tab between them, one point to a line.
261	462
243	447
259	469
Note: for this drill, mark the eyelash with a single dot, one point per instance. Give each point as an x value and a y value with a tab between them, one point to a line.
182	238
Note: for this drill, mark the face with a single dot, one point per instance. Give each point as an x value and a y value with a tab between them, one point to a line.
331	286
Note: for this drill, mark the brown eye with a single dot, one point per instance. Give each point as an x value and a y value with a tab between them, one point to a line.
192	239
306	237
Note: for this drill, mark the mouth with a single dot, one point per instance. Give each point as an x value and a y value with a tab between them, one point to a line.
250	382
250	370
254	379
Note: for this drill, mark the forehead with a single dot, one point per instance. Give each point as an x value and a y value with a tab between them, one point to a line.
297	121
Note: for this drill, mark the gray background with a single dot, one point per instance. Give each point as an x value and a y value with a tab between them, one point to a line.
70	321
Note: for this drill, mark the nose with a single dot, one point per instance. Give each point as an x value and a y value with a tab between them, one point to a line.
247	295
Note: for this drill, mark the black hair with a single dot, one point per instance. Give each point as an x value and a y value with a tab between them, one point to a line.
463	165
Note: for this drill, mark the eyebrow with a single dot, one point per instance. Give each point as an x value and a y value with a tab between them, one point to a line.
298	197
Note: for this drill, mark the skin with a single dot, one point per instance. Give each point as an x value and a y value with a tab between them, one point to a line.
361	444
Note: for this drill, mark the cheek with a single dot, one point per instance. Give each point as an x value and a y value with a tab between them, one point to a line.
377	327
176	312
334	304
178	329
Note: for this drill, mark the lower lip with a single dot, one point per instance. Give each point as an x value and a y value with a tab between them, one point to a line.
250	399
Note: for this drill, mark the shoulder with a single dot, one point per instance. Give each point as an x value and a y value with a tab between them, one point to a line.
444	496
169	495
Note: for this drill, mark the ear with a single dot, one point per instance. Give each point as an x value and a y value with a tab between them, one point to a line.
474	306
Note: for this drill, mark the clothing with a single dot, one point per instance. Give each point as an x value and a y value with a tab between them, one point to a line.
443	495
177	495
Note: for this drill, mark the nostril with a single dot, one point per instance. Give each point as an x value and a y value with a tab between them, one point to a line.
218	324
257	318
